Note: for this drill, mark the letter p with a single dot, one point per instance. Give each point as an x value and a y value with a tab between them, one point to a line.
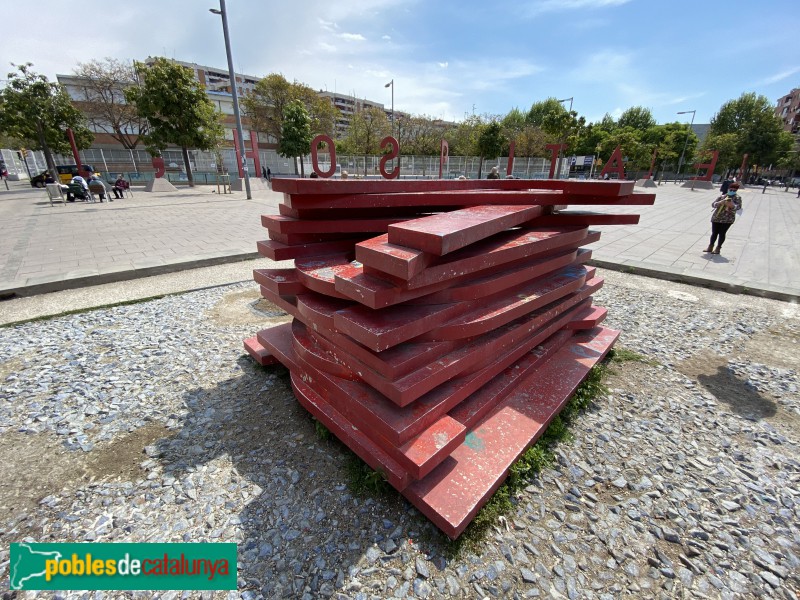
50	568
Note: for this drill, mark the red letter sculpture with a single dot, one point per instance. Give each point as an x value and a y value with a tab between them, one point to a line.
710	166
158	163
445	154
391	156
616	157
554	149
510	167
315	159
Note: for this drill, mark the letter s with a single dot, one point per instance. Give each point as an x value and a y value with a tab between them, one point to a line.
387	157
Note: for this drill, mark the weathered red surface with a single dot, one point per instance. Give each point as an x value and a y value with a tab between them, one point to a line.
444	233
376	292
452	494
283	282
583	218
287	225
418	268
260	354
277	251
423	200
371	186
478	319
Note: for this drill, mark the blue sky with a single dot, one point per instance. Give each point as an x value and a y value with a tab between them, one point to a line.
449	58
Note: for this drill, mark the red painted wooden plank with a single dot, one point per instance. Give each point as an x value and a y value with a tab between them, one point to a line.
321	214
283	282
422	200
469	356
277	251
288	225
454	492
496	257
590	319
299	239
381	329
444	233
582	218
318	273
416	457
371	411
285	303
260	354
317	310
370	452
507	305
337	186
419	269
376	292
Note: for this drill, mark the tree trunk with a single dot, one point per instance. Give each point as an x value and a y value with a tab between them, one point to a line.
302	168
48	155
188	165
365	165
480	167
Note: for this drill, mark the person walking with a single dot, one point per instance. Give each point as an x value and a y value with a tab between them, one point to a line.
269	175
264	171
725	209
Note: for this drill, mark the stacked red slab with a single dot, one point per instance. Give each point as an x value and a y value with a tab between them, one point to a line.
438	326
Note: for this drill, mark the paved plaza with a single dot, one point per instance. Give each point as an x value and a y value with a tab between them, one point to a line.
48	248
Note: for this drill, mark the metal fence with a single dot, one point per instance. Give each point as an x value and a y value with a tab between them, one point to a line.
137	167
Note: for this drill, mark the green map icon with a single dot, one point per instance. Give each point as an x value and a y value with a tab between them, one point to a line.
27	565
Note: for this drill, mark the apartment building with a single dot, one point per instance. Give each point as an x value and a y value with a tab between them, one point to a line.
788	111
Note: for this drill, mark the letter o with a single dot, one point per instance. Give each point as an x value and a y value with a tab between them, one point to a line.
331	150
64	567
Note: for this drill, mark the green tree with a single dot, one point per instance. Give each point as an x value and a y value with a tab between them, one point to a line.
758	130
490	143
367	128
418	135
103	85
177	109
727	146
37	113
265	106
296	133
463	139
637	117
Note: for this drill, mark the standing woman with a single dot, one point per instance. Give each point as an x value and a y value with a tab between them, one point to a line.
724	215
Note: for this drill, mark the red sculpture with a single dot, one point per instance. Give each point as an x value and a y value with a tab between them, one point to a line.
437	346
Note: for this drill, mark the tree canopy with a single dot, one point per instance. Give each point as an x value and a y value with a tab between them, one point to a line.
296	132
265	106
38	112
103	85
177	109
367	128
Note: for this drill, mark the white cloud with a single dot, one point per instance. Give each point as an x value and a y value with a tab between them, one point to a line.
443	64
327	25
778	76
388	38
545	6
352	37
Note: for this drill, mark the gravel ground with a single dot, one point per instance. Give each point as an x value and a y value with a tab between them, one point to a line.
148	422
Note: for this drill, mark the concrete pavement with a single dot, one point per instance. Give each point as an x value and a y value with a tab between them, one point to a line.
45	249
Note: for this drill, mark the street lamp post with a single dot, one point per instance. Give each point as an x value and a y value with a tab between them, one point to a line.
391	83
683	152
558	172
223	13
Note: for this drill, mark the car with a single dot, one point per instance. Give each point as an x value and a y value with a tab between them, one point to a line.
65	174
41	179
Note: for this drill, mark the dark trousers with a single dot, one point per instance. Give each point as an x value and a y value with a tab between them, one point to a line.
719	229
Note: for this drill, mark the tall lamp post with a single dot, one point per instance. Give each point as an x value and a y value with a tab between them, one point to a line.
558	173
683	152
391	83
223	13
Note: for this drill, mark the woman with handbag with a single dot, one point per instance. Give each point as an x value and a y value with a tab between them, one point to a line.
725	209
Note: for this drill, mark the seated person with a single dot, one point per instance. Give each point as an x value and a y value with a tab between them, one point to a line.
98	187
84	189
120	185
